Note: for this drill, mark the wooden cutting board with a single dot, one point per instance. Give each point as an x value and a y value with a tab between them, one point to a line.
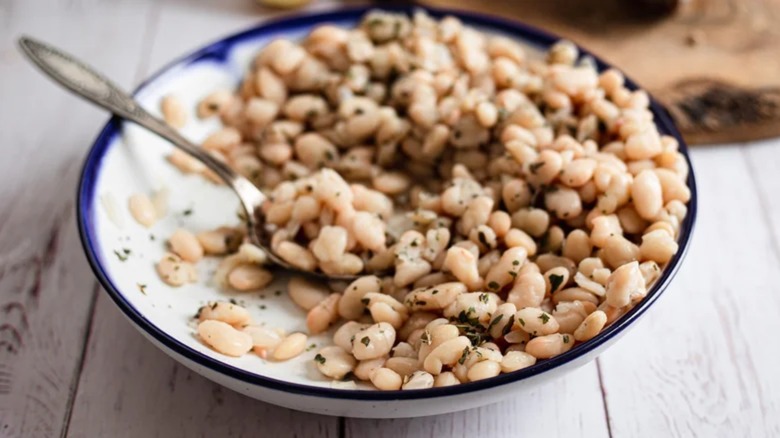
715	64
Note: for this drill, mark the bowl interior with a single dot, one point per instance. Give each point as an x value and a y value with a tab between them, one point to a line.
126	160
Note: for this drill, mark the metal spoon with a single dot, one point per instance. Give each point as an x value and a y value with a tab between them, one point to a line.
94	87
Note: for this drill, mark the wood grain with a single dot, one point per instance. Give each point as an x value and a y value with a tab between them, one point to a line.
46	289
713	63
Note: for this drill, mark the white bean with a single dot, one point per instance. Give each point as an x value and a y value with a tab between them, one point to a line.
291	346
334	362
225	339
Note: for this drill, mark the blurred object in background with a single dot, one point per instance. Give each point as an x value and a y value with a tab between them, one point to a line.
284	4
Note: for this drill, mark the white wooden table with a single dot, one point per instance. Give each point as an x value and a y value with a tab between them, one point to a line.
705	361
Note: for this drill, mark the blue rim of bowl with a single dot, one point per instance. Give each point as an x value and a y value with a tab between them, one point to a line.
529	34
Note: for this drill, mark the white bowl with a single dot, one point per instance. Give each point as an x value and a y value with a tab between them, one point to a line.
126	159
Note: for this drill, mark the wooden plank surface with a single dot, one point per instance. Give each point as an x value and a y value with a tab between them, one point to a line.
46	289
703	362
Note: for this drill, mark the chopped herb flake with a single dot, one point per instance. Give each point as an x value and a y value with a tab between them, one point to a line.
493	285
365	341
320	358
464	356
544	317
495	321
534	167
555	281
482	238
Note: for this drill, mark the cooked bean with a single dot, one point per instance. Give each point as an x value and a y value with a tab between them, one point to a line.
334	362
321	316
249	277
658	246
214	103
647	195
223	338
535	321
374	341
507	268
351	305
222	140
589	285
345	334
365	368
563	202
673	186
546	347
577	246
330	244
386	379
404	366
570	315
591	326
625	284
296	255
291	346
185	245
220	241
263	338
533	221
418	380
518	238
528	291
446	378
446	353
174	271
618	251
173	111
516	360
142	209
229	313
463	266
306	293
650	272
483	370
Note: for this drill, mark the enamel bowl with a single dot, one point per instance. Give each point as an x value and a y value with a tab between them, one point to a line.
126	159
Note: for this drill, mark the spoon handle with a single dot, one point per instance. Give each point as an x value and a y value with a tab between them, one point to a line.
94	87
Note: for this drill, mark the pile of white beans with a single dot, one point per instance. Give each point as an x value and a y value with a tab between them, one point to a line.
514	206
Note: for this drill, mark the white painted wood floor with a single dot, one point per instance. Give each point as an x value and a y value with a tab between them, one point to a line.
704	362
